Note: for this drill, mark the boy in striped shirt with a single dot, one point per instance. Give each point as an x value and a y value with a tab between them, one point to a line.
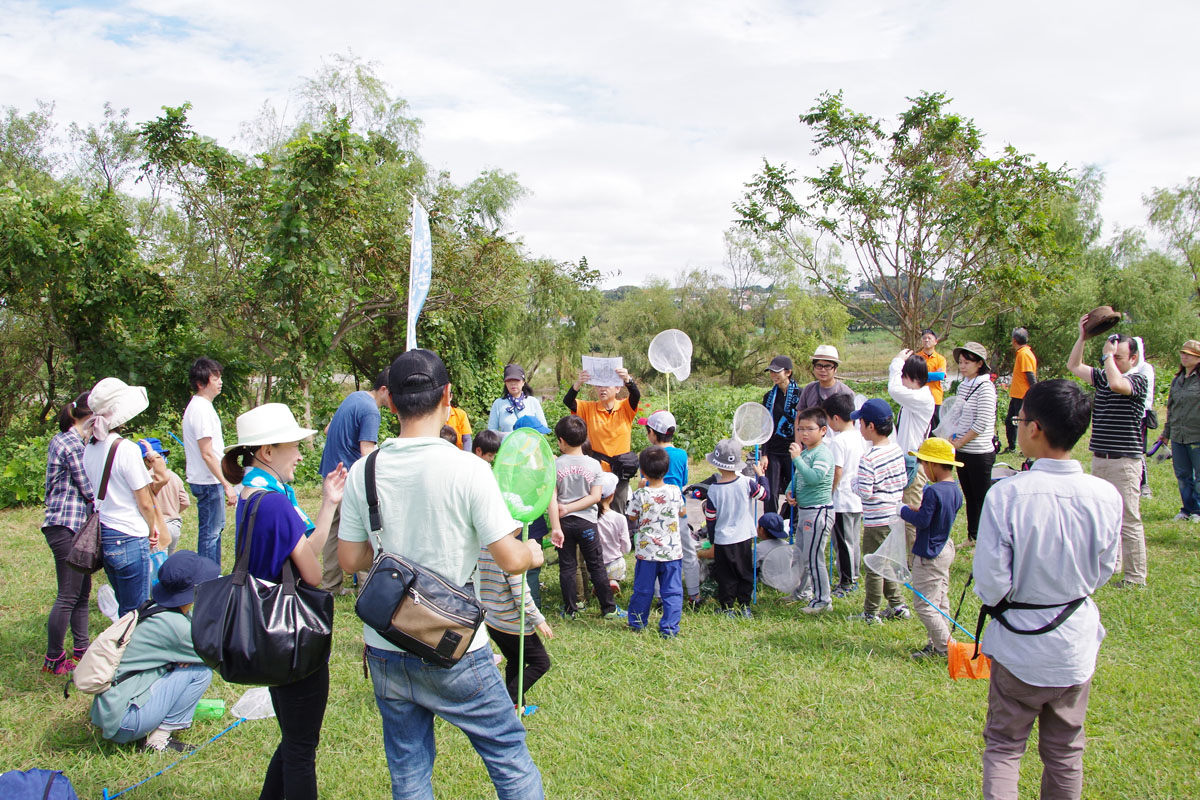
880	484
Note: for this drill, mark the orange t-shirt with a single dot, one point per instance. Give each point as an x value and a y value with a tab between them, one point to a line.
461	424
609	431
1025	362
936	362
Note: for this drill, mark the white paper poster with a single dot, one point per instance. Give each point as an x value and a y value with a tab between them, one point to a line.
603	371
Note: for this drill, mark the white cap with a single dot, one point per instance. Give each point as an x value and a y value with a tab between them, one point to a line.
608	484
661	422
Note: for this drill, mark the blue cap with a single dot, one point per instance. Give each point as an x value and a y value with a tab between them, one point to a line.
155	445
874	411
530	421
178	576
772	524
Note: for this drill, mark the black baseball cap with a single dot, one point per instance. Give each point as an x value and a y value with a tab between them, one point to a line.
779	363
416	371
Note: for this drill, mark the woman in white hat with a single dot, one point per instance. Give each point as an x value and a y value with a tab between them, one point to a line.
129	523
518	401
265	459
825	362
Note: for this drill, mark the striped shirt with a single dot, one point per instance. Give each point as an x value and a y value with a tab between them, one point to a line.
977	398
68	491
880	483
500	594
1117	418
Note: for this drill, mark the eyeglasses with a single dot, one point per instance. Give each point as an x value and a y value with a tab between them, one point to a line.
823	365
808	428
1023	420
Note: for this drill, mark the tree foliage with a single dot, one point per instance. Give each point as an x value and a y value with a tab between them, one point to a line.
943	233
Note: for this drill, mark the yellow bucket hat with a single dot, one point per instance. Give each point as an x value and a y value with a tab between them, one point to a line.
936	450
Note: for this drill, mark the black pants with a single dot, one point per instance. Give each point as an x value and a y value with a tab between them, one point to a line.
1010	421
936	418
581	533
300	709
779	479
537	660
71	604
733	568
975	478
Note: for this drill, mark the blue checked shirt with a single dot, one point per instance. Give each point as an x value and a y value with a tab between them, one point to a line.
68	492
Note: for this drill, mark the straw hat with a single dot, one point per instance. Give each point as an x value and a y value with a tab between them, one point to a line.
1100	320
975	349
1191	347
936	450
270	423
826	352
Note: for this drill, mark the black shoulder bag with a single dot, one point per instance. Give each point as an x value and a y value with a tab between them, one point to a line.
87	554
413	607
257	632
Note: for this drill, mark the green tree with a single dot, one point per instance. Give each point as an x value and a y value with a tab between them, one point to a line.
1175	213
921	206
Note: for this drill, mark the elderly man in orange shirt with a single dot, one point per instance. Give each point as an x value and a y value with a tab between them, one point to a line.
936	362
610	427
1024	376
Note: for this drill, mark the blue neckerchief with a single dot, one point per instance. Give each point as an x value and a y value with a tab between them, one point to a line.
257	478
790	402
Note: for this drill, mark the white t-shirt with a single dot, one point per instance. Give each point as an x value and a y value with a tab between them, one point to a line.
200	421
439	506
847	447
119	509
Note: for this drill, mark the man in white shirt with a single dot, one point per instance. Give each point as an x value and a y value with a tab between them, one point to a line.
1048	539
204	447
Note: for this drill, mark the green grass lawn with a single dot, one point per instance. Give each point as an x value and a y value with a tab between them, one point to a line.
779	706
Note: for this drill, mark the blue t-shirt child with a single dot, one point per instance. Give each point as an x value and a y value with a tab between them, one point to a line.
356	420
940	503
677	470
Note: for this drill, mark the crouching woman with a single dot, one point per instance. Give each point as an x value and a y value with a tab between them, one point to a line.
160	679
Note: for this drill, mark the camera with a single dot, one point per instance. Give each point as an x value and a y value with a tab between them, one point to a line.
1114	338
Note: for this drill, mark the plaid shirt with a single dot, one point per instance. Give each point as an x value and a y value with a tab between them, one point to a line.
68	493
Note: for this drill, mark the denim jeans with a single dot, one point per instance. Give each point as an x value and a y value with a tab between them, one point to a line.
1186	460
470	696
127	565
669	576
210	519
172	702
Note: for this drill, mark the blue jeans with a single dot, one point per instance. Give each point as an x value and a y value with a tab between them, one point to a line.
669	575
210	519
470	696
1186	460
127	565
172	702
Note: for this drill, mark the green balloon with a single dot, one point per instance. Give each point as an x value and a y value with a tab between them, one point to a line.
524	468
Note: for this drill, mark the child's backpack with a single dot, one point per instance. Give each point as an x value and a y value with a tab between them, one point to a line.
96	672
36	784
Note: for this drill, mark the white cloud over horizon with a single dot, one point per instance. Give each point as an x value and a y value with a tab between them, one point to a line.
634	125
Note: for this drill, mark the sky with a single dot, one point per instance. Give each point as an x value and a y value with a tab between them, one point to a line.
635	124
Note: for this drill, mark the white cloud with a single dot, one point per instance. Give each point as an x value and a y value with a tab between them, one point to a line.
635	124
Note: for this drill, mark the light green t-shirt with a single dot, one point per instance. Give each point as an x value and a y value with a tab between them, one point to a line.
439	506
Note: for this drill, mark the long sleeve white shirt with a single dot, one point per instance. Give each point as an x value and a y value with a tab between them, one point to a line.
1049	535
916	409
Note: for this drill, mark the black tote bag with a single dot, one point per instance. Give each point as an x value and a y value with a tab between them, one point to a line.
257	632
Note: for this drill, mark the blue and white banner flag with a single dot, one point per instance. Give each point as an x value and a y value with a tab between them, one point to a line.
420	269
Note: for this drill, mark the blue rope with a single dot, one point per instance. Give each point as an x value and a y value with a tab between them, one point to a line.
107	796
943	613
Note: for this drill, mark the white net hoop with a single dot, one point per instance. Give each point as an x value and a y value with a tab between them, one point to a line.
671	352
890	561
752	424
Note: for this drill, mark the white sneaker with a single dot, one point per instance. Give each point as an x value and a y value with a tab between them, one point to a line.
1180	517
1194	518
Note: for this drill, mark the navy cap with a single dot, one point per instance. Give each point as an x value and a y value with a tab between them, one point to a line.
416	371
178	576
772	524
874	411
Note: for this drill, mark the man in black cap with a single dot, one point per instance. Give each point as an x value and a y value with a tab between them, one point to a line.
439	506
783	401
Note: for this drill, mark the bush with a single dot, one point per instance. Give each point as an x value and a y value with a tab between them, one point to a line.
23	480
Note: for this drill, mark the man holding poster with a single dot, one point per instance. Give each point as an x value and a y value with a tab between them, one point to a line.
609	420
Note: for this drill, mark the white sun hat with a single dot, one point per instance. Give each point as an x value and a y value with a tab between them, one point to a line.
826	352
116	401
270	423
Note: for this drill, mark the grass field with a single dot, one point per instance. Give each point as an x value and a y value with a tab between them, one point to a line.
781	706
